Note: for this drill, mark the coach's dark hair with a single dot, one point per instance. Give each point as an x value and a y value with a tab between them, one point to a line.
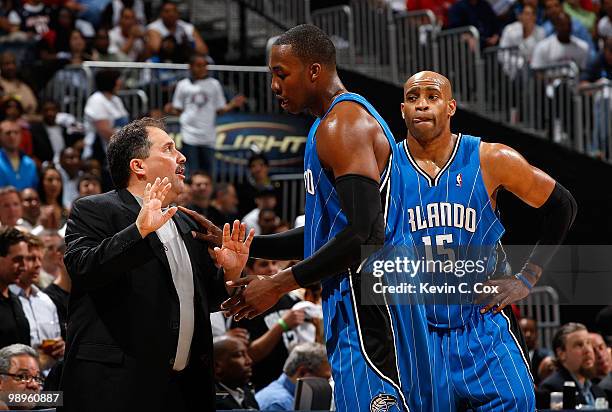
106	80
310	44
130	142
9	236
558	341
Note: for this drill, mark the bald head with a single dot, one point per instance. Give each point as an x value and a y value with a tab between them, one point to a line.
431	78
225	345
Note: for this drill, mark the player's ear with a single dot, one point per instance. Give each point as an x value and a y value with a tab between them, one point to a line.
402	110
315	71
452	107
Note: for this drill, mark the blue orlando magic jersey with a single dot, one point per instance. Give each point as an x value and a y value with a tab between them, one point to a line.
450	217
372	348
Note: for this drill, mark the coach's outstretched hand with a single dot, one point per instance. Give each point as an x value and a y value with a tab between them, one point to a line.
151	216
212	234
233	254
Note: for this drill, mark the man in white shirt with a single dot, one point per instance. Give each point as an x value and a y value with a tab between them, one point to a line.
562	47
70	169
169	23
199	99
264	199
45	332
127	37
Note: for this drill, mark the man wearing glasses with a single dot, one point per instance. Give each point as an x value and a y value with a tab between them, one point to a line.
19	372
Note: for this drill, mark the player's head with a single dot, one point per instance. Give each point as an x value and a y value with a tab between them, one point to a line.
573	349
302	61
428	105
142	151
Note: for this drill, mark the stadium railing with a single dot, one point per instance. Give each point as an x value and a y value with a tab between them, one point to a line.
542	304
292	195
593	111
415	32
337	22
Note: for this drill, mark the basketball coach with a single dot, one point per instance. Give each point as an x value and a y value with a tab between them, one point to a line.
139	335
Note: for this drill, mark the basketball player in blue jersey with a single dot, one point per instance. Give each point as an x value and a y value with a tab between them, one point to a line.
450	198
350	173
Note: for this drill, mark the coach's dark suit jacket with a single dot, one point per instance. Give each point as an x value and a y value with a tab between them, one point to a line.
124	313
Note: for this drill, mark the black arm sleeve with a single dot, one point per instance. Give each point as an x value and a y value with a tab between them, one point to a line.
288	245
360	201
559	213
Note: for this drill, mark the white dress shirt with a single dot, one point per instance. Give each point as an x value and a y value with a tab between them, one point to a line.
41	314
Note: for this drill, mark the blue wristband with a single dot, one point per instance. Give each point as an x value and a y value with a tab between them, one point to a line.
523	279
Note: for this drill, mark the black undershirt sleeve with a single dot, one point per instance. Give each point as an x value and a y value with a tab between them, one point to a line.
559	213
287	245
361	203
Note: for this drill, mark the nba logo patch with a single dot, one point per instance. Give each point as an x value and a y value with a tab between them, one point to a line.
382	402
459	180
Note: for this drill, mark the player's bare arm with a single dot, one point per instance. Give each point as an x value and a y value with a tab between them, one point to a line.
503	167
352	146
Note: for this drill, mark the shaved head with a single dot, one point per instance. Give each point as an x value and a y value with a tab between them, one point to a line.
434	79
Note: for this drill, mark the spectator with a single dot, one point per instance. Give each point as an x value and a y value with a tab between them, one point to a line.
232	368
604	27
12	109
224	205
529	327
169	52
184	198
14	327
586	17
34	18
553	8
63	23
267	221
272	333
52	260
201	191
305	360
312	328
264	199
168	23
547	367
48	137
199	99
45	333
599	69
477	13
575	359
89	184
70	170
101	50
78	51
257	179
523	33
603	322
104	114
30	204
112	13
11	210
535	4
20	372
13	86
127	37
51	191
561	48
59	290
603	358
16	168
439	7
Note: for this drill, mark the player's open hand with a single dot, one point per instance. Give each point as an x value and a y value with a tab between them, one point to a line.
234	251
212	234
260	293
151	216
507	290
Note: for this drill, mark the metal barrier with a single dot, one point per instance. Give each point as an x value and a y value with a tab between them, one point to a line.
594	120
70	88
503	72
375	49
415	34
542	304
457	56
293	195
231	165
337	22
135	101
